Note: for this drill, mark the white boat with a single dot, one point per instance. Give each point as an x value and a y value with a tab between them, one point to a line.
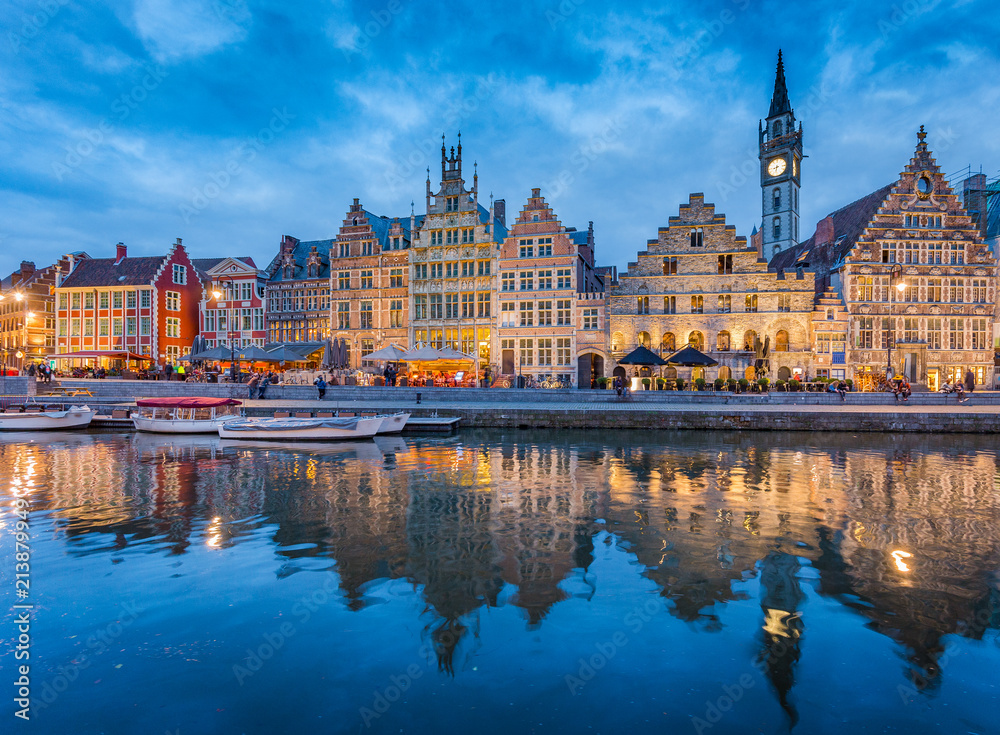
301	429
393	423
191	415
74	417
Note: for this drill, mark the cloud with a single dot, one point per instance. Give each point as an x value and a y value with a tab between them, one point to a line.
173	30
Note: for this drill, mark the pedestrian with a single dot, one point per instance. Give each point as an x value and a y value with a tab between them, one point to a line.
252	385
970	381
31	370
960	389
168	370
262	387
181	373
321	385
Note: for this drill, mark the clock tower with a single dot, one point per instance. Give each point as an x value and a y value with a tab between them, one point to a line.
780	168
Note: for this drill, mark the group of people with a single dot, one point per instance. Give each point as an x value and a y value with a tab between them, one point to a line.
901	389
961	388
40	371
622	388
838	386
258	383
390	374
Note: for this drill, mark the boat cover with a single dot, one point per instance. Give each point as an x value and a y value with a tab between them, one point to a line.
290	424
186	402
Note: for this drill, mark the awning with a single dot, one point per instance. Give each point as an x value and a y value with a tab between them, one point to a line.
186	402
92	354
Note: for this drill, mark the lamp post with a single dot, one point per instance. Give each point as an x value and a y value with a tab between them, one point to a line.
234	370
895	274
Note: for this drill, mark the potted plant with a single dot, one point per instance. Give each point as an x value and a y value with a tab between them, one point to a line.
602	382
679	383
731	384
719	382
763	383
646	383
794	385
699	384
661	384
744	384
781	385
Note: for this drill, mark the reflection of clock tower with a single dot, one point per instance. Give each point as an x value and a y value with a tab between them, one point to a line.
780	160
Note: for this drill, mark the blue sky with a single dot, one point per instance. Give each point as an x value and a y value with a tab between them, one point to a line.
229	123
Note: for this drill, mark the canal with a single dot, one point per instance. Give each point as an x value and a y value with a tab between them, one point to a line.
490	582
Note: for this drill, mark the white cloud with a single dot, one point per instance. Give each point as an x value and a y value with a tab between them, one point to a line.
176	29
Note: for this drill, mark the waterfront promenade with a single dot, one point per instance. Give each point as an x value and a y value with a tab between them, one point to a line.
601	409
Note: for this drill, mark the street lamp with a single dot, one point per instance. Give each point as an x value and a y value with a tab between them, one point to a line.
233	364
895	274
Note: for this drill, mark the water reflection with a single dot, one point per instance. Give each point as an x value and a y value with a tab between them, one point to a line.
901	531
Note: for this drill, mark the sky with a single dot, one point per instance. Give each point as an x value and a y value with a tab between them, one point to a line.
230	123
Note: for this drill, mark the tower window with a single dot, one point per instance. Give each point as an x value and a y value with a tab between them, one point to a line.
777	199
777	128
697	237
776	228
725	264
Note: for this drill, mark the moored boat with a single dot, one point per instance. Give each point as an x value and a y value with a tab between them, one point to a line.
301	429
393	423
74	417
186	415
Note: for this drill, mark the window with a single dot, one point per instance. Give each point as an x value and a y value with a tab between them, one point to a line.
563	350
545	247
527	313
88	327
436	237
507	311
956	334
367	346
722	341
776	228
76	300
957	253
469	341
366	248
527	352
590	319
130	300
451	204
64	301
246	322
468	235
116	299
367	279
344	314
468	306
725	303
697	304
911	329
864	334
725	264
750	303
451	306
979	290
130	326
173	326
934	290
697	340
911	252
823	342
784	302
888	253
88	300
526	250
484	267
544	280
468	268
776	199
507	282
527	280
173	300
564	312
669	304
344	250
781	341
564	278
670	266
451	237
420	271
956	290
865	284
451	269
643	305
74	326
668	343
103	327
437	308
396	242
544	313
697	237
979	335
934	253
180	274
366	315
437	270
343	281
483	305
258	319
545	351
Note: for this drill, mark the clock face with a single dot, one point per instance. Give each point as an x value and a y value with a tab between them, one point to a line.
776	167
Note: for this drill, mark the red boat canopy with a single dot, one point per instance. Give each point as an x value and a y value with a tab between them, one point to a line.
186	402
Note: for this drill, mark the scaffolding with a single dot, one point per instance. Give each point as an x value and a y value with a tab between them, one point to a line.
981	198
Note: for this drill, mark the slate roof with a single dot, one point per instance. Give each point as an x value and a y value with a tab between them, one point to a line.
779	100
95	272
848	225
301	253
206	264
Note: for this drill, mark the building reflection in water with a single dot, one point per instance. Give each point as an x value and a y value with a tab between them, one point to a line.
901	531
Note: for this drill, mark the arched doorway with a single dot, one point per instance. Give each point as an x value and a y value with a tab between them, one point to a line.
750	373
645	340
722	341
697	372
781	341
749	337
589	367
670	373
617	342
668	344
725	373
784	373
697	340
619	372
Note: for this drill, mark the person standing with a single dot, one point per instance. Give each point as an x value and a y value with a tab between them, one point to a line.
252	385
321	386
180	373
168	370
970	381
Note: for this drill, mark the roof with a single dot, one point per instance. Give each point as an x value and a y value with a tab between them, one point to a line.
779	100
848	225
206	264
103	272
301	253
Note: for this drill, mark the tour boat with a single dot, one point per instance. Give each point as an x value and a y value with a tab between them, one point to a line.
189	415
301	429
74	417
393	423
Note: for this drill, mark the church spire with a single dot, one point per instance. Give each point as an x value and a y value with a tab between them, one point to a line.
779	100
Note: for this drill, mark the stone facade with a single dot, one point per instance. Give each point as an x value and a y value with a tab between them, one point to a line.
369	282
453	266
27	313
699	283
298	293
551	302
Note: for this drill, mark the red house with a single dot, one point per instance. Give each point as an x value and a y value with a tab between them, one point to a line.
236	316
109	310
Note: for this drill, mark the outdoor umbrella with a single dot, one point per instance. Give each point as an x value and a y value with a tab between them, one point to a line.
216	353
284	354
423	354
642	356
451	354
253	353
690	357
391	353
342	353
327	361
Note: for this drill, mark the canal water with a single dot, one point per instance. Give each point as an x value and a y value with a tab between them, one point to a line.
496	582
